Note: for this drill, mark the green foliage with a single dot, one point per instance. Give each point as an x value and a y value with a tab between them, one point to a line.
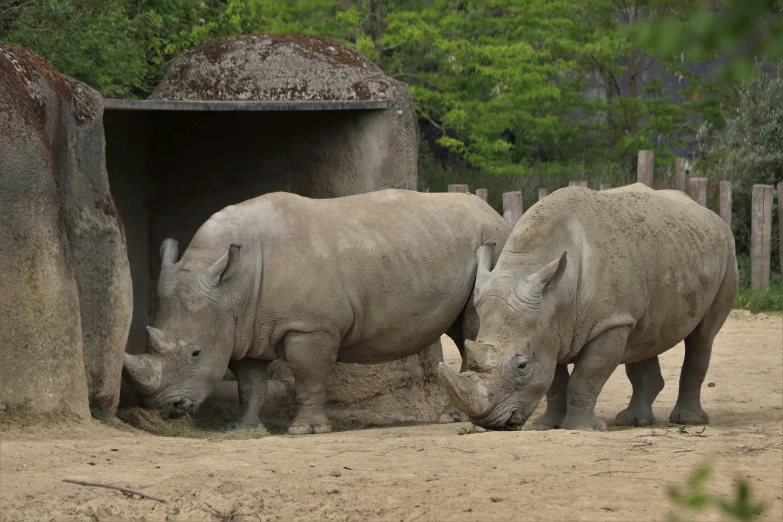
693	497
738	29
749	151
768	300
500	85
483	74
106	54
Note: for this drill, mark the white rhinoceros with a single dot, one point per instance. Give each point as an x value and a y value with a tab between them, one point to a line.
359	279
596	279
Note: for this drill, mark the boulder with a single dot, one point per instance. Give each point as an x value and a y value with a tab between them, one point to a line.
315	154
65	294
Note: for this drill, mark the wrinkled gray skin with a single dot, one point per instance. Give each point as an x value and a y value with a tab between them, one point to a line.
596	279
360	279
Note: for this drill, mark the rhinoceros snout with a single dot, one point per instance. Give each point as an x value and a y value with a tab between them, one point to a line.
184	406
516	419
511	419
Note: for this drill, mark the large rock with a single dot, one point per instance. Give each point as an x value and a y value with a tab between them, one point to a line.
65	290
316	154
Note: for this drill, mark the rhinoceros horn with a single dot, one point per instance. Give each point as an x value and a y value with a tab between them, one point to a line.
169	251
144	372
158	342
484	255
464	391
480	356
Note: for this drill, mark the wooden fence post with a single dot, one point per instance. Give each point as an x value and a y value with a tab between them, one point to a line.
577	184
780	228
680	176
644	167
699	190
542	193
482	193
760	236
512	206
458	188
605	186
725	201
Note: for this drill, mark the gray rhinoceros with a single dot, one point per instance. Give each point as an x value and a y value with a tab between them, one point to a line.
596	279
359	279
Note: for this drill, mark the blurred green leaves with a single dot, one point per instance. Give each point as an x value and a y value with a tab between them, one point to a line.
742	506
739	31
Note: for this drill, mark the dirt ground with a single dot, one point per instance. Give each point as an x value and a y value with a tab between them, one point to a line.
425	472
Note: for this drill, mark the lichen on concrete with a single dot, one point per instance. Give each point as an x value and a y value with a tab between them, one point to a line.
276	68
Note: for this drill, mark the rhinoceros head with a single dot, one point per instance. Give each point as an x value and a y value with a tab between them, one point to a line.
190	347
512	363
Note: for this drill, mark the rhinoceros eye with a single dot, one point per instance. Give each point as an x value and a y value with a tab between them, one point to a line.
196	353
522	364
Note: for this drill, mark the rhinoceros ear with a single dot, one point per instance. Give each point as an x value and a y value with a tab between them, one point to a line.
532	287
226	266
169	250
551	273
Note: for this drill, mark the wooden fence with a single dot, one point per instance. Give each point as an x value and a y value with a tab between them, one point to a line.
761	218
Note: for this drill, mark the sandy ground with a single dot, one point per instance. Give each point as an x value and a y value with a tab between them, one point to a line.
425	472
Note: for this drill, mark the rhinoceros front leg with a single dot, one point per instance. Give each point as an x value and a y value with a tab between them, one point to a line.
251	383
596	362
310	357
647	382
556	401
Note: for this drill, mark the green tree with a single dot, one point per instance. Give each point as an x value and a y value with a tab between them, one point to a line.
750	150
483	74
105	55
500	85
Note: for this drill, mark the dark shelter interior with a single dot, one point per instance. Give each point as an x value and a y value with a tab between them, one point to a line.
172	165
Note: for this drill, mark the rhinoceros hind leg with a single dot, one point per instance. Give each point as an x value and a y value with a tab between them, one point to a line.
698	349
597	360
556	401
647	382
688	410
310	357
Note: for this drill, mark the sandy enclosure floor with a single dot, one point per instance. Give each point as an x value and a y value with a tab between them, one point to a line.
425	472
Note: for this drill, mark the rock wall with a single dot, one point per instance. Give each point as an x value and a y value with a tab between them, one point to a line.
65	293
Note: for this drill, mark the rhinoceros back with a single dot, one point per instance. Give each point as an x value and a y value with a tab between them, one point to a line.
387	271
652	259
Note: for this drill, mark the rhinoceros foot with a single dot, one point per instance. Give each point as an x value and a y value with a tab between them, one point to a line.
307	429
583	423
238	425
636	417
549	420
689	415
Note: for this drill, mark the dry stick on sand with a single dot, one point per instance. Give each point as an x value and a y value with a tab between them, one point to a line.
118	488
